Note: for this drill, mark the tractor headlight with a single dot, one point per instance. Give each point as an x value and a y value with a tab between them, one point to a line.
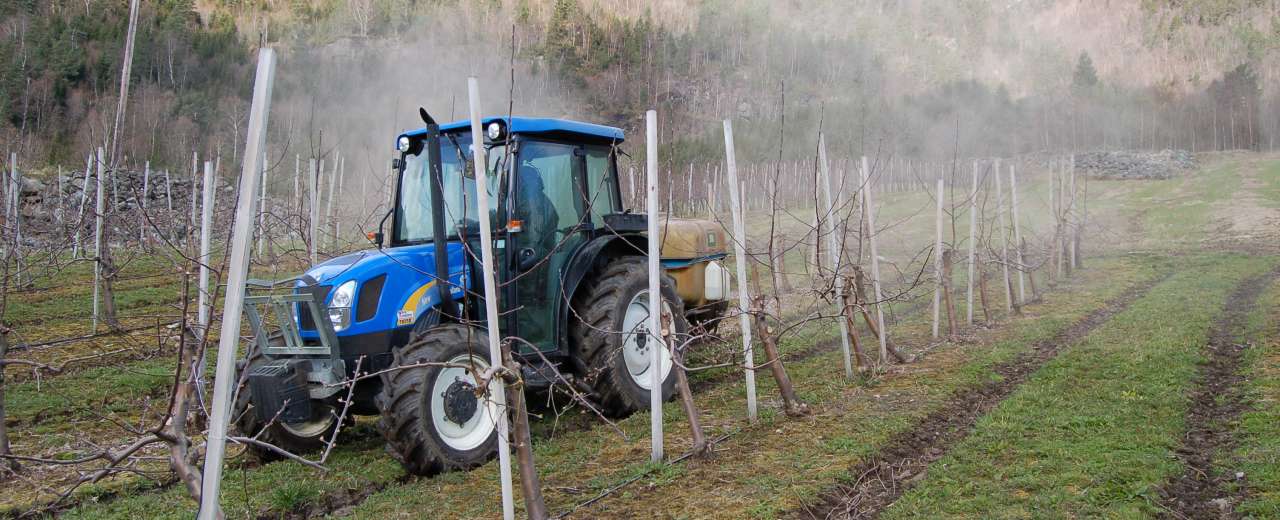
494	131
340	305
402	144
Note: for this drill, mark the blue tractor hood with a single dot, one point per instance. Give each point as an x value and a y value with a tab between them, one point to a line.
394	287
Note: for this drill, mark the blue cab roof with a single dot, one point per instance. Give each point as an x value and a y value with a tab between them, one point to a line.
536	126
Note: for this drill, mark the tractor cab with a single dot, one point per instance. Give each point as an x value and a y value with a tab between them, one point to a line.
573	295
552	184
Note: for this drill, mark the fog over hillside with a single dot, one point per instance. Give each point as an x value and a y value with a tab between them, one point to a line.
910	78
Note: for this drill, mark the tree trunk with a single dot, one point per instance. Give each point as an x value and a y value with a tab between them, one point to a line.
982	292
1031	274
700	446
847	306
534	504
947	258
861	299
6	464
108	276
759	308
175	430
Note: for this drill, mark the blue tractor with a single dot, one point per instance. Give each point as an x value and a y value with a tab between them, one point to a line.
574	290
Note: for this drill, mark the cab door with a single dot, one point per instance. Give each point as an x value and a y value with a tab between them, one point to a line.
549	207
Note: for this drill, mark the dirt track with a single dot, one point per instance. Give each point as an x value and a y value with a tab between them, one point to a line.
885	476
1203	489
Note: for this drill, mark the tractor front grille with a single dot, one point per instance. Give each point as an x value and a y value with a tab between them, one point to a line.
319	293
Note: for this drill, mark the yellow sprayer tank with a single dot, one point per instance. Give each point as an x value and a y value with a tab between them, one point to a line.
693	252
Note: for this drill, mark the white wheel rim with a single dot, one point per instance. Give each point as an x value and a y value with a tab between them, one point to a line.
636	342
322	419
476	430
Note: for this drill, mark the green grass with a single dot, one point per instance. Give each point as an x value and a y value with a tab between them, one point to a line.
768	467
1270	178
81	393
791	466
1258	454
1173	212
1091	434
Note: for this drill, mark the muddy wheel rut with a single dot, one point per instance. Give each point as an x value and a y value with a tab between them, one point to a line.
1204	488
904	461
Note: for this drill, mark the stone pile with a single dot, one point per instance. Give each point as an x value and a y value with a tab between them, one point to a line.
1134	164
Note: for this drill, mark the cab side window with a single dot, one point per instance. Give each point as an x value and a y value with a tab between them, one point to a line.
600	183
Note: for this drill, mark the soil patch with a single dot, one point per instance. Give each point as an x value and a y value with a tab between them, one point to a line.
1204	489
899	465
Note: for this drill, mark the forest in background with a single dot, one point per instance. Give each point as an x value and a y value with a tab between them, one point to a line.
909	78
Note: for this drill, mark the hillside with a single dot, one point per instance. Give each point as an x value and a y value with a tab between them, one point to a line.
905	76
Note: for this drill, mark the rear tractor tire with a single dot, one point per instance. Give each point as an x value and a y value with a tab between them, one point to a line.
431	417
610	330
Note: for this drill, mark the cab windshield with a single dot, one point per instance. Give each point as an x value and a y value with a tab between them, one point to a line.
413	217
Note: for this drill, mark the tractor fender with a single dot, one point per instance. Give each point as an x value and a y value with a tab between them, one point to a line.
587	259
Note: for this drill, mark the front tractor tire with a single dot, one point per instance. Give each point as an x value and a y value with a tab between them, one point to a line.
610	330
297	438
431	416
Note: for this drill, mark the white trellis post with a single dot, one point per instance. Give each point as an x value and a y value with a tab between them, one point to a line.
57	211
262	206
1075	230
195	173
313	209
491	304
833	245
655	291
15	199
168	190
238	270
203	307
937	258
146	186
9	196
1004	241
297	193
342	186
84	199
1017	237
867	203
740	262
328	211
99	207
973	226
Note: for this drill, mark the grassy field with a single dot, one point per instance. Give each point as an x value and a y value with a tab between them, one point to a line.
1090	433
1258	454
